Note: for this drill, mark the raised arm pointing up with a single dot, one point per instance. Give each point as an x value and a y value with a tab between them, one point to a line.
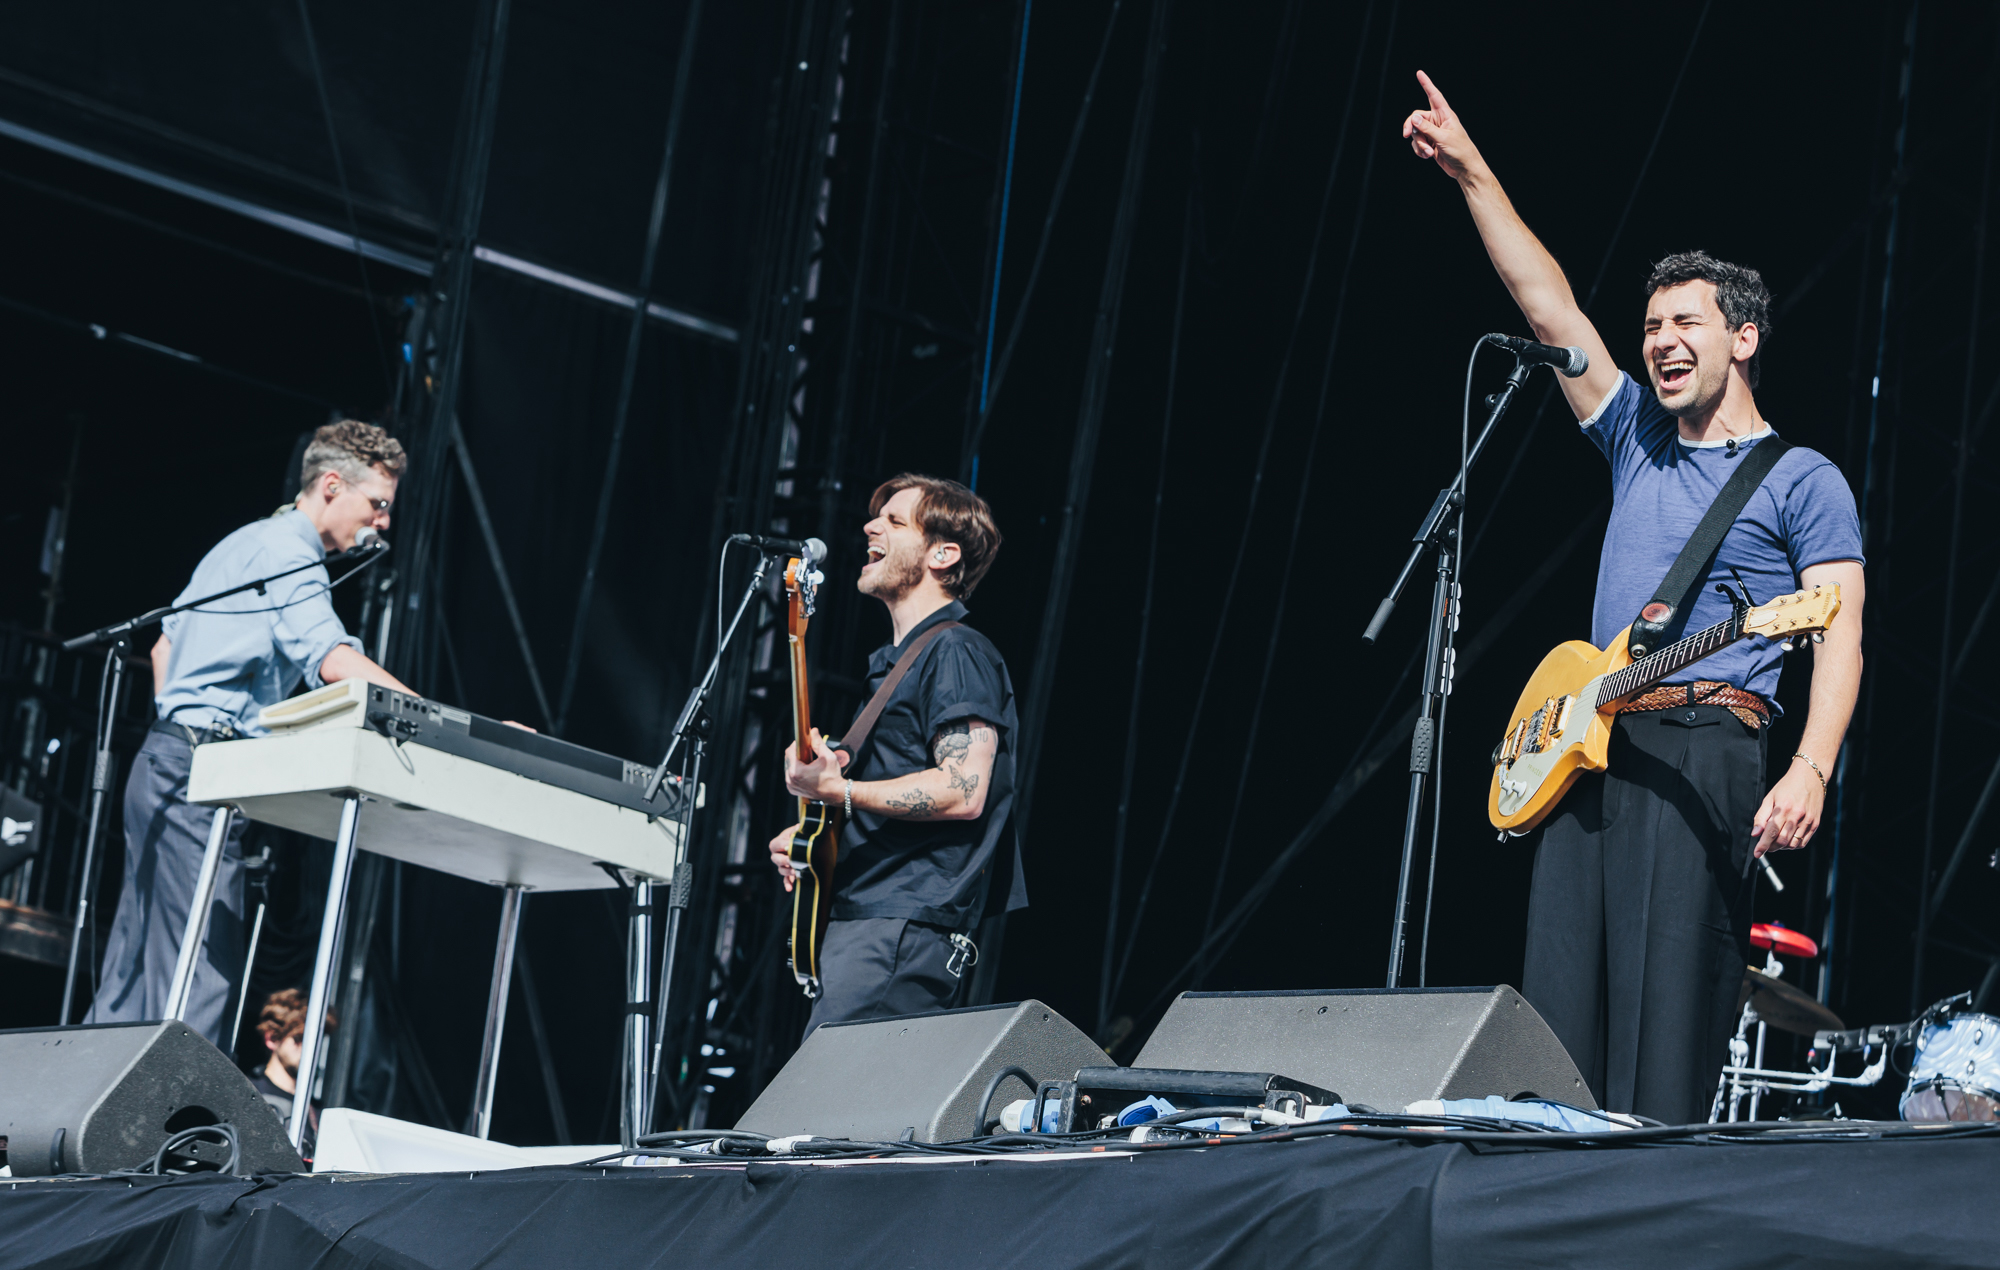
1532	275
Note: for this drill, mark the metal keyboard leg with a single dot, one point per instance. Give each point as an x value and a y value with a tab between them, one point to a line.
195	933
312	1047
633	1116
496	1011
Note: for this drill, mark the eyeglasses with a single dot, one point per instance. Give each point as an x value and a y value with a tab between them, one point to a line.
381	505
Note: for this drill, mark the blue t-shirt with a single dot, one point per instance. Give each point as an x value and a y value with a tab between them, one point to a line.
1661	486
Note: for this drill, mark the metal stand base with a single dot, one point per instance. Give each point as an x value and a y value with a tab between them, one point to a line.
330	927
496	1011
195	933
635	1112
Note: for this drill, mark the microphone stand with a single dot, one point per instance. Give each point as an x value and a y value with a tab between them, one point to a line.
1442	532
117	638
691	726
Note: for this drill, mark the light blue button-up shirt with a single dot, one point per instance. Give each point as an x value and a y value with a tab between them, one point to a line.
232	658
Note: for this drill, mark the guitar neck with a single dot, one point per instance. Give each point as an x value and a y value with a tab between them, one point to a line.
801	704
1647	671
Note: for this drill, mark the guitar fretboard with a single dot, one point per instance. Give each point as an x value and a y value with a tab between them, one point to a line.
1647	671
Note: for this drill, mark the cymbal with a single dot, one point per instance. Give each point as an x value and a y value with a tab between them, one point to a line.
1776	935
1785	1007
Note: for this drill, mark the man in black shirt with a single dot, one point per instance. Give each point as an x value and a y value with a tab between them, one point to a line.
928	848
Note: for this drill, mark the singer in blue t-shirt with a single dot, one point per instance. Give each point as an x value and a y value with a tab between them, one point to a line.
1638	920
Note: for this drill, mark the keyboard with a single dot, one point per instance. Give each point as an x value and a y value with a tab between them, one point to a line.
407	719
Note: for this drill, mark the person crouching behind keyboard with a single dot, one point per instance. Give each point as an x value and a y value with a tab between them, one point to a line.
282	1025
214	669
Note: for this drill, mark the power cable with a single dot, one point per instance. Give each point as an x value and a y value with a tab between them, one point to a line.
346	197
1249	516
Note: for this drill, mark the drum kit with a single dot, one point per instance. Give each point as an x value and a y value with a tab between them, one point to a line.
1954	1072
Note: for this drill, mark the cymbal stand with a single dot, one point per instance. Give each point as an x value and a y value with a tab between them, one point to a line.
1441	533
1743	1078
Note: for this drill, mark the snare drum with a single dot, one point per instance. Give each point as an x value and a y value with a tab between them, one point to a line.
1955	1074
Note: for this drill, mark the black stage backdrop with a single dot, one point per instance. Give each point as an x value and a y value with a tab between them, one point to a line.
1316	1203
1767	135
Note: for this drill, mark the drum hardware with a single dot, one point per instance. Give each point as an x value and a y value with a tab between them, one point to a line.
1767	1002
1955	1071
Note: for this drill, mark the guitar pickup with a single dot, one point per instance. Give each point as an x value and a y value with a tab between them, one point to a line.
1559	717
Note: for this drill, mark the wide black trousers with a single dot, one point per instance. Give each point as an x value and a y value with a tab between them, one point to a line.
1639	917
872	968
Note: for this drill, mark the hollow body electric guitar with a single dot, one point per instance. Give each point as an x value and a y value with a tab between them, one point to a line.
815	844
1562	725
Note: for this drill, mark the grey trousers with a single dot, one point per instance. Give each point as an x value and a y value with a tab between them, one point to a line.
1638	920
881	966
164	841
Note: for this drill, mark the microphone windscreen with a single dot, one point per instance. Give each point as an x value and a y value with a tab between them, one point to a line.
1579	362
815	551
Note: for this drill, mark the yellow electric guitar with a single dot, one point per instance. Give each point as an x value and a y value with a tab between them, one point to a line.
1562	725
815	846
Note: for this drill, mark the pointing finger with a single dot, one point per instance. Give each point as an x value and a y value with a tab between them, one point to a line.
1438	103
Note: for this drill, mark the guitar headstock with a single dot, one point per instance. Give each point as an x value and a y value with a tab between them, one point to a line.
1797	614
802	582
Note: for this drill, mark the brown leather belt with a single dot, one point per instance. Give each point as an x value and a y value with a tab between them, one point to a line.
1752	709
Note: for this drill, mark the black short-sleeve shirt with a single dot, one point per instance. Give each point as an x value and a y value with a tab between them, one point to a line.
934	870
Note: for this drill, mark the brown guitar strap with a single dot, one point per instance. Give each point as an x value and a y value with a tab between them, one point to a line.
864	723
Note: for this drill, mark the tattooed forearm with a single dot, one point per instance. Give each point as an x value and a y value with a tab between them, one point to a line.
915	804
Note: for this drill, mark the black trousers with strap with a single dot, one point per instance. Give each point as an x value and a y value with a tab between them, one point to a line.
873	968
1639	917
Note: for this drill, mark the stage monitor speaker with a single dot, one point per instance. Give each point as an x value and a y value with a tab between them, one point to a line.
103	1097
1384	1047
876	1079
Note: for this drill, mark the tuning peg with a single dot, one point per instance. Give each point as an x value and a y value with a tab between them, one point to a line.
1819	637
1786	644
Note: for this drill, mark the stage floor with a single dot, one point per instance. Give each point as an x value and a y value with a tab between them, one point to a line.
1336	1200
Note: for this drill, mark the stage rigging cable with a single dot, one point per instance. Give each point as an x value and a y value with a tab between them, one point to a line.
1090	417
990	386
1305	482
346	198
1145	623
1249	515
676	111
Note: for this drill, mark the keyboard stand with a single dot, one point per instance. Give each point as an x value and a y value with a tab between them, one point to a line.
426	807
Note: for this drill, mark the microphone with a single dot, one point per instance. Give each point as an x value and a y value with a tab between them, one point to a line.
811	550
1569	362
368	541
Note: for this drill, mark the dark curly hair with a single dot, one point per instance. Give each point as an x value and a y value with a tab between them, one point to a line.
1739	292
284	1015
